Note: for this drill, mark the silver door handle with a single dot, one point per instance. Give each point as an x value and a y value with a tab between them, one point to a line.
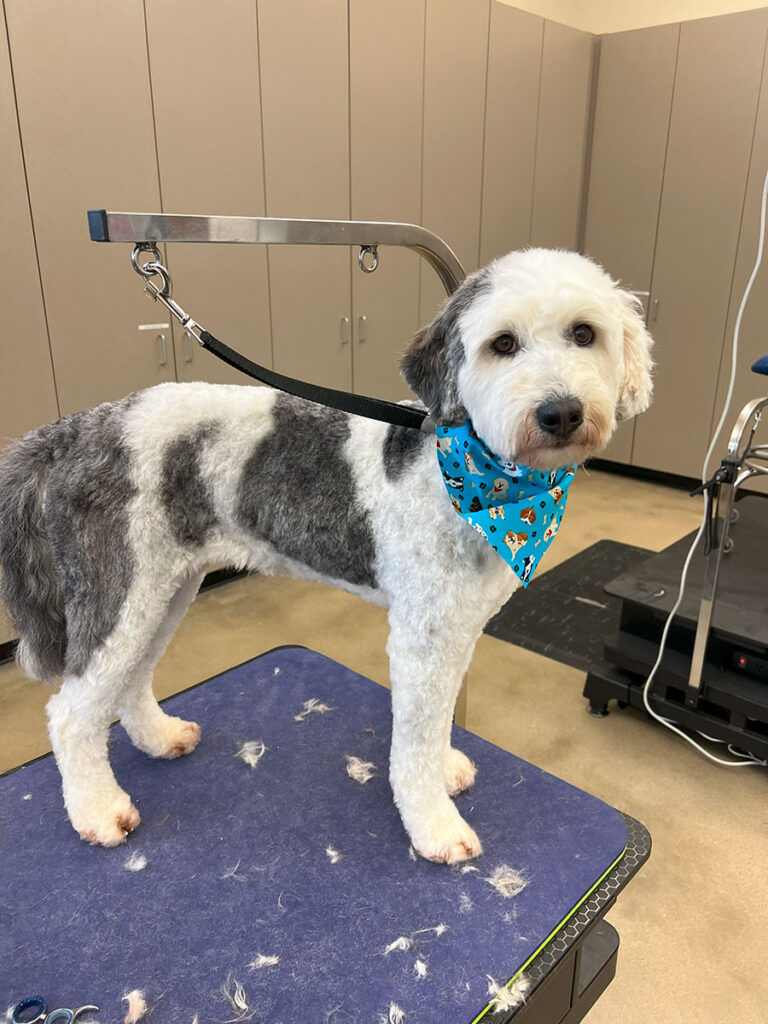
164	347
190	349
362	328
655	313
345	330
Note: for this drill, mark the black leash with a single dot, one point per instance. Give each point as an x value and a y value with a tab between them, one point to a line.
344	401
356	405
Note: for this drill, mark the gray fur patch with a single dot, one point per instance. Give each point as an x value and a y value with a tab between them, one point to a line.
431	363
297	492
401	446
86	512
184	494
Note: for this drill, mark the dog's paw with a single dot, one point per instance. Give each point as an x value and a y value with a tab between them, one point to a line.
447	842
459	772
172	737
109	823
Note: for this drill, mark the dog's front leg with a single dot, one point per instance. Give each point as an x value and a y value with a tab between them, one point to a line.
427	664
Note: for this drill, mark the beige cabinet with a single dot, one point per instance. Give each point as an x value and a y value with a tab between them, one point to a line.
456	59
303	52
633	104
561	142
27	392
207	105
85	110
708	154
511	116
386	89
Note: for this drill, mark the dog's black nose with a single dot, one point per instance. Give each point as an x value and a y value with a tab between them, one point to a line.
560	417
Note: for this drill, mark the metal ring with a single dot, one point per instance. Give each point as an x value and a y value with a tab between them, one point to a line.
30	1003
368	250
138	250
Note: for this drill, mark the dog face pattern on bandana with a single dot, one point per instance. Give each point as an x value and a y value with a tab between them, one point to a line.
518	510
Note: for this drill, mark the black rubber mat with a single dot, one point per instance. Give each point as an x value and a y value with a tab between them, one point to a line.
565	613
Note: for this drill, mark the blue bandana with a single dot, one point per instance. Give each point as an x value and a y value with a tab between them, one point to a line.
516	509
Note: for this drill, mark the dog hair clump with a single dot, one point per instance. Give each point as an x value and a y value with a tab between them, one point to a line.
506	881
251	752
232	873
137	1006
420	969
313	705
27	796
403	943
509	997
333	855
465	903
395	1015
359	770
467	868
437	929
136	862
261	960
276	671
235	995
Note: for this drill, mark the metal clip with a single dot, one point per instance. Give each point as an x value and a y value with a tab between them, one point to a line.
368	250
154	268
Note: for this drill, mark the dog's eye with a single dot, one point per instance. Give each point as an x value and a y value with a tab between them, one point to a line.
582	334
506	344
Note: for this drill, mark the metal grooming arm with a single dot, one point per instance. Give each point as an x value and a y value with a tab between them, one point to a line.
743	460
107	226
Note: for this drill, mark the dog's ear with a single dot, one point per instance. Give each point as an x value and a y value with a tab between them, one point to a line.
636	386
429	370
430	364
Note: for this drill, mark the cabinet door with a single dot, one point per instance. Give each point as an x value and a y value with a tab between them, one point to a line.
86	125
566	77
514	71
27	393
456	57
631	125
386	78
303	49
710	140
206	94
753	340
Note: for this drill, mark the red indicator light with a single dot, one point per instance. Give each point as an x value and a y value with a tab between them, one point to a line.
742	662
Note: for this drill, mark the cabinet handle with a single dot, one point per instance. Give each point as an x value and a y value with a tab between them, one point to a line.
655	313
164	349
190	349
362	328
345	330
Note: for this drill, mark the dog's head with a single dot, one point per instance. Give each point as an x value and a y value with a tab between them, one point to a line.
544	353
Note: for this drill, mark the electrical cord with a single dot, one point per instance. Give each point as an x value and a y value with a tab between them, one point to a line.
746	760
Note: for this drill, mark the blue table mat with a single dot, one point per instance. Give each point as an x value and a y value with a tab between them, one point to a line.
236	866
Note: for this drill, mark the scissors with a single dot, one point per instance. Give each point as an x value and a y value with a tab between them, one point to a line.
37	1005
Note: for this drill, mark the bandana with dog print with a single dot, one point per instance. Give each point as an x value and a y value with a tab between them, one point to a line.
518	510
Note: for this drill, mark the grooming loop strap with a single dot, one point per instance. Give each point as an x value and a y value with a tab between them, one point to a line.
355	405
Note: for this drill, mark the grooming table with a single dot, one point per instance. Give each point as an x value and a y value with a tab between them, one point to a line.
237	865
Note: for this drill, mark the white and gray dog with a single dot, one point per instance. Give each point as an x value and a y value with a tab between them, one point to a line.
110	518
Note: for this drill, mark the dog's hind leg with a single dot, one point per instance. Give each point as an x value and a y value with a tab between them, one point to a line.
148	726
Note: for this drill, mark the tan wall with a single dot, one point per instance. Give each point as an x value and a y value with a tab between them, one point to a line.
618	15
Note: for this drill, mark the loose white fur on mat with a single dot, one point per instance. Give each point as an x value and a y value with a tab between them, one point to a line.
137	1006
27	796
465	903
312	706
420	969
261	960
412	853
507	881
466	870
438	930
232	873
507	998
333	855
359	770
395	1015
136	862
235	995
251	752
277	671
402	943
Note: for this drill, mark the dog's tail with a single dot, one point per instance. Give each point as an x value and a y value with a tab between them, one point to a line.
30	587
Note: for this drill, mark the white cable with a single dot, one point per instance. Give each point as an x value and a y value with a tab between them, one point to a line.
747	759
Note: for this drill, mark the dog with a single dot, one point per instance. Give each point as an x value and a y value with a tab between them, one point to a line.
109	519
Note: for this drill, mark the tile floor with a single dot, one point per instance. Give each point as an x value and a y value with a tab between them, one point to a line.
692	923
